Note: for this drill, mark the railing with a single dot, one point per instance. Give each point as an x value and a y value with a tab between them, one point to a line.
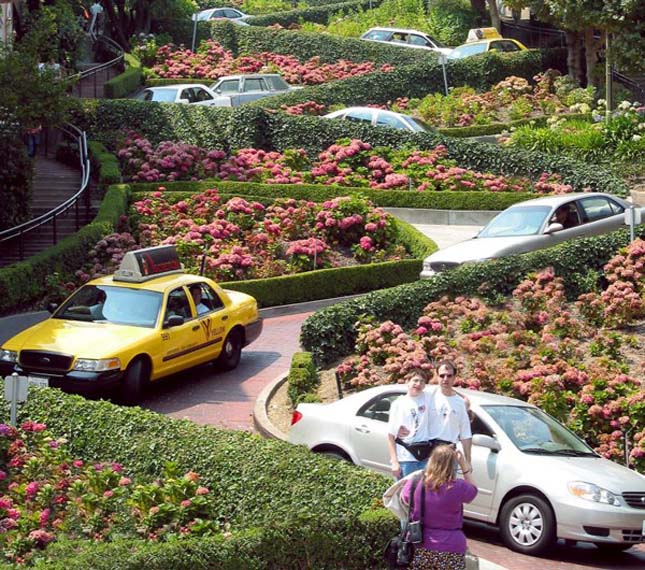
110	45
534	36
19	232
637	90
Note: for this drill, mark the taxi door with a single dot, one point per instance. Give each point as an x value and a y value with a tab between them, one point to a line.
181	344
213	319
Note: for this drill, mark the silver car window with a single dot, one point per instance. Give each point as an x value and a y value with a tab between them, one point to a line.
164	95
277	83
359	115
378	408
202	94
388	120
253	85
229	86
598	208
419	41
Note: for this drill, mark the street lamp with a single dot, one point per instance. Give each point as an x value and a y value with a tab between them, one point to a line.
195	18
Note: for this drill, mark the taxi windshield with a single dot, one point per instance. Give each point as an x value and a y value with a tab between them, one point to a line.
118	305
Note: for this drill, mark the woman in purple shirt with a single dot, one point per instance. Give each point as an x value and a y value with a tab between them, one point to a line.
444	543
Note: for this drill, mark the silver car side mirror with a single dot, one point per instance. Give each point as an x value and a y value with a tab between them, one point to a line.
486	441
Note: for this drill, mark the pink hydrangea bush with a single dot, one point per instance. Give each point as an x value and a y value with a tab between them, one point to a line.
212	61
46	494
568	358
353	163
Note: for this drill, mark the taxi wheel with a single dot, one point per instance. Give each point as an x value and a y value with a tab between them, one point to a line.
527	524
134	381
229	358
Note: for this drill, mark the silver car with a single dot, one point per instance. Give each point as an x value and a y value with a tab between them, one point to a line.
534	224
251	87
405	38
537	480
223	13
189	93
380	118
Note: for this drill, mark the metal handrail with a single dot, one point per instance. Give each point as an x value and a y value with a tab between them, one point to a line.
102	66
22	229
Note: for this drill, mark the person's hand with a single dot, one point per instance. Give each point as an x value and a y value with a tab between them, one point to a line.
396	469
403	432
462	461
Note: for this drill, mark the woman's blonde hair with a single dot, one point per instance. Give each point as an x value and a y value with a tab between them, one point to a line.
441	467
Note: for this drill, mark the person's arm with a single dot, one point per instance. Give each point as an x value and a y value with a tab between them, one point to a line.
465	433
394	460
467	444
466	471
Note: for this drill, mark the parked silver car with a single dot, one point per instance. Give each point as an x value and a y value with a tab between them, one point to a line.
190	93
223	13
251	87
534	224
405	38
537	480
380	118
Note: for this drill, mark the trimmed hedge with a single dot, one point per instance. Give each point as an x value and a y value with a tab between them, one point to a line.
104	165
242	40
127	82
319	14
303	379
330	333
284	504
495	201
24	282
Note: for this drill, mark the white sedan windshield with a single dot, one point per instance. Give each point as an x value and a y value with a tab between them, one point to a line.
519	221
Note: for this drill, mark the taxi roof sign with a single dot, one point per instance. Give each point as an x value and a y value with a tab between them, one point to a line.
477	34
144	264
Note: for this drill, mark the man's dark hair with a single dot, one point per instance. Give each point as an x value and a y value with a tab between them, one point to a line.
449	363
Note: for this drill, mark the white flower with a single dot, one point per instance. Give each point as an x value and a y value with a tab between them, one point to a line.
636	138
624	105
601	102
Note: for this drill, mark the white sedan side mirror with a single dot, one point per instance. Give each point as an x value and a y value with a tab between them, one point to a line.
486	441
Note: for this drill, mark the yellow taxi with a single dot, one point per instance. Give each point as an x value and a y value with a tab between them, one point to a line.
121	332
482	40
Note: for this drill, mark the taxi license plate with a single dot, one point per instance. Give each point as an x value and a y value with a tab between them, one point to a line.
37	381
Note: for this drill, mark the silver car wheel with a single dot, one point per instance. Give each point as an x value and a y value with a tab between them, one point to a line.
526	524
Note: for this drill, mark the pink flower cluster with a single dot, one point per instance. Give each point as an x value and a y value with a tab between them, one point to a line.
211	61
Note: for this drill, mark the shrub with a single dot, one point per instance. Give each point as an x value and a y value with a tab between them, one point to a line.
256	482
312	13
330	333
126	82
303	378
16	172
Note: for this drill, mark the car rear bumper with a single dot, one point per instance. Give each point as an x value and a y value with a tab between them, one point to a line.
73	382
252	331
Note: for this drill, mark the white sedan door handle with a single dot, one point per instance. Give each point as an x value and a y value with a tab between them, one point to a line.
362	429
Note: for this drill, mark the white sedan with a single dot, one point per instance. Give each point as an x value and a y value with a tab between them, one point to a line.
232	14
190	93
537	480
379	118
535	224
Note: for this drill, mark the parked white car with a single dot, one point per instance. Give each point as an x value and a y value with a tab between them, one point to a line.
534	224
405	38
380	118
236	16
190	93
537	480
251	87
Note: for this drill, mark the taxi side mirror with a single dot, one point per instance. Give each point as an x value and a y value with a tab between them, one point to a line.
174	321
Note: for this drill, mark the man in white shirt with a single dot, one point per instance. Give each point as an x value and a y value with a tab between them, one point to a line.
409	414
196	293
448	418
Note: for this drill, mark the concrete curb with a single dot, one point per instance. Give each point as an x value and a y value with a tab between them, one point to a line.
261	417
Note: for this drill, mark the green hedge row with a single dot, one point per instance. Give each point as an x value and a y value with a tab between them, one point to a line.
421	78
319	14
24	282
287	507
303	379
330	333
127	82
104	165
243	40
495	201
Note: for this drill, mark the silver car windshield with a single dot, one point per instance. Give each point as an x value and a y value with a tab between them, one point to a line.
118	305
517	221
533	431
164	95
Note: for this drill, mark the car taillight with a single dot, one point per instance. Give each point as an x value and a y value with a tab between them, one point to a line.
296	417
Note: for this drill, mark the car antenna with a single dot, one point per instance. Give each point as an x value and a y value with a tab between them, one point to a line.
202	265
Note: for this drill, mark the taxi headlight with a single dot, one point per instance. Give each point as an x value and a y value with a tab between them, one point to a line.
592	492
97	365
8	355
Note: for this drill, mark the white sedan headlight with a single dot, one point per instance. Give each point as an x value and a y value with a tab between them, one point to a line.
97	365
8	355
592	492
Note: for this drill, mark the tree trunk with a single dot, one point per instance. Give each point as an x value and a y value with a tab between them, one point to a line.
573	55
479	7
591	56
117	25
494	15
